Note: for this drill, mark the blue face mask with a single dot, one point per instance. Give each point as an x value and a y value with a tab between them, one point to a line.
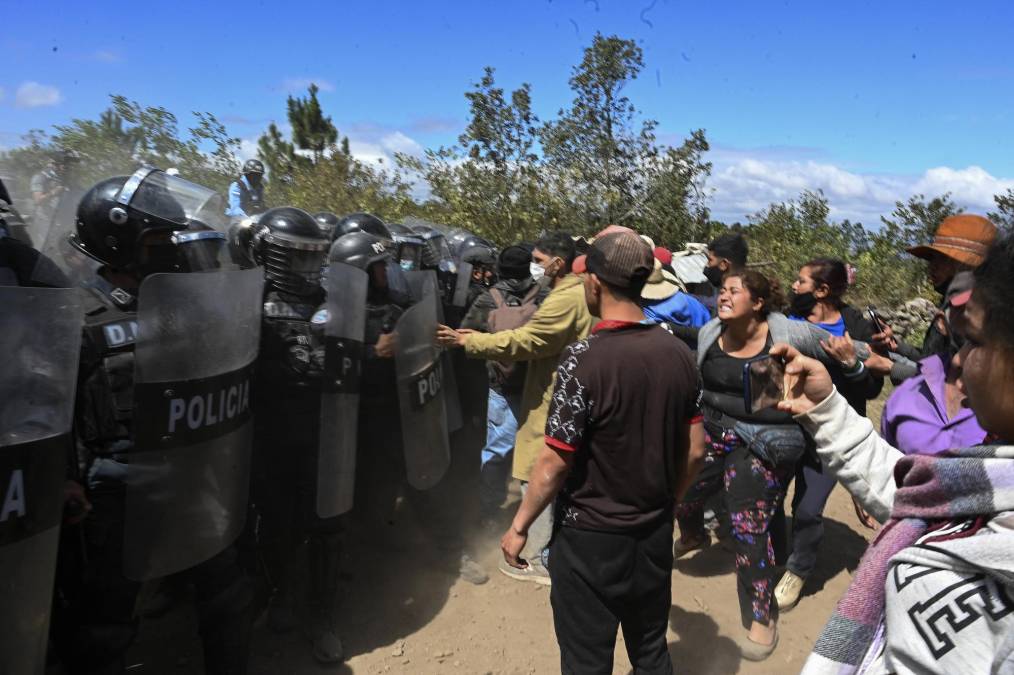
407	265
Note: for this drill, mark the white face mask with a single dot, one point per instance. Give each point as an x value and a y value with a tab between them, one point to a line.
536	270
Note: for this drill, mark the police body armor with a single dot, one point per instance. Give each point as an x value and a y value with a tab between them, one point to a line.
421	392
188	473
40	337
251	199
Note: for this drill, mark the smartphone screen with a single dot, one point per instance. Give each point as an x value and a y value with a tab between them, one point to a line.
763	383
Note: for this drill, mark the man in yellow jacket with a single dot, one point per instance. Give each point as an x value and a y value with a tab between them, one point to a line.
562	318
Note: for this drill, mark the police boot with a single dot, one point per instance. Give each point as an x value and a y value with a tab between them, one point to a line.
224	606
324	551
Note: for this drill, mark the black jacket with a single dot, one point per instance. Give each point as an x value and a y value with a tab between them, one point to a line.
868	387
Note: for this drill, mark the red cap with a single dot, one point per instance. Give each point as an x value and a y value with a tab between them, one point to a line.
663	255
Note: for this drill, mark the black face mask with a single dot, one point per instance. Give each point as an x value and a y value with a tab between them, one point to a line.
714	275
802	304
942	288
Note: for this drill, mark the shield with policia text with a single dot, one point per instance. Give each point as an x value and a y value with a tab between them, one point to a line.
339	406
40	343
188	475
421	390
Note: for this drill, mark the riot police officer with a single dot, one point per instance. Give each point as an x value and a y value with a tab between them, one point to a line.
246	193
327	222
137	474
361	222
290	245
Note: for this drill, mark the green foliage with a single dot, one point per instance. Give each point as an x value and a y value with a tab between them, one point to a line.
1003	217
126	136
311	130
596	150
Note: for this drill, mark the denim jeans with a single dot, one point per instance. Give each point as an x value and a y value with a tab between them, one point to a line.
501	428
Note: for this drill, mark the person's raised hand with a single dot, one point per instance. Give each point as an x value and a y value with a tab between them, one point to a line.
841	349
807	381
884	341
448	337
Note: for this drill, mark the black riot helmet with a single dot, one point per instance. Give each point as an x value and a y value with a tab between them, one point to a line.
253	166
327	222
119	218
361	222
479	255
291	247
408	247
359	249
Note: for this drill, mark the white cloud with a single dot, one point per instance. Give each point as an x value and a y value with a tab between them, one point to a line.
301	84
971	185
247	149
378	146
107	56
746	181
35	95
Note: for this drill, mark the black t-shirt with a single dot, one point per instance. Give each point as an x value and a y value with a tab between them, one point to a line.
621	399
722	375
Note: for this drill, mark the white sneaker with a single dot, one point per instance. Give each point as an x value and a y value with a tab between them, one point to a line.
788	590
534	572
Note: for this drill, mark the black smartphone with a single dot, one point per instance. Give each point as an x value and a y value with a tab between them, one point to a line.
878	323
763	383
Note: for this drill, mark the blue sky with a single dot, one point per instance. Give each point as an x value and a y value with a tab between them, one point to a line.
870	101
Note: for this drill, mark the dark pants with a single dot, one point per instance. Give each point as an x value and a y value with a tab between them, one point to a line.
602	581
754	491
812	491
100	623
295	542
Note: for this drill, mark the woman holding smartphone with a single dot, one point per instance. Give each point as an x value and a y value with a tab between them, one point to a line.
752	454
817	297
933	592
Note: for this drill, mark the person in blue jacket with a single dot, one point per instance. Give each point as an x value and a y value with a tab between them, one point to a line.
246	193
664	301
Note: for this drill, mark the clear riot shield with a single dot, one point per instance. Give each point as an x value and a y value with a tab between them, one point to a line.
461	285
421	390
339	406
189	472
40	342
417	282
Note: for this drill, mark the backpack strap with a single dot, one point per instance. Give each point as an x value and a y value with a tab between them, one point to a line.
497	298
531	294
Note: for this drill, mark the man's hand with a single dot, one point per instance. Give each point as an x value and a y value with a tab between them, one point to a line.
842	350
879	365
75	504
884	342
385	346
448	337
865	519
807	382
512	543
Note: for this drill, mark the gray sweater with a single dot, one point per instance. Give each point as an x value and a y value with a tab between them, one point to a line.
802	335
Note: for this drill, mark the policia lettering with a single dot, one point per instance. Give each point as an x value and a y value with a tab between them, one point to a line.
426	386
184	413
31	487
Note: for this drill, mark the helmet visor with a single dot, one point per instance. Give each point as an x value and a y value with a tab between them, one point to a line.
172	199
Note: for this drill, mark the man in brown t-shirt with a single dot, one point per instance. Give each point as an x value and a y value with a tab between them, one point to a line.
623	442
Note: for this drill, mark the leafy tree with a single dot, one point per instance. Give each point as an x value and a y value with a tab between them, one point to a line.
311	130
490	182
596	150
1003	217
673	209
916	220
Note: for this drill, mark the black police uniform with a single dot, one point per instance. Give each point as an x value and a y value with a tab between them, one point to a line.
99	623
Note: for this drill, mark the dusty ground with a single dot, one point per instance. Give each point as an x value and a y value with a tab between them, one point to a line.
405	611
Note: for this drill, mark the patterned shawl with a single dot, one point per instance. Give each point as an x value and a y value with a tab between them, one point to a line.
932	491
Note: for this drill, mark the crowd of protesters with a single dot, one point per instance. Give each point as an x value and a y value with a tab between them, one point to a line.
621	397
